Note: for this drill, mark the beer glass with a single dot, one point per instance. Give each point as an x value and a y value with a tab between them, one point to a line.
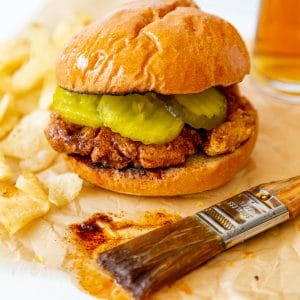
277	49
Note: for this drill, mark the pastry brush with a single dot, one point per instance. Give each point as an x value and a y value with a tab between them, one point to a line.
146	263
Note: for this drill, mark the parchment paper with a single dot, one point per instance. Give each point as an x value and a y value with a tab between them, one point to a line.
267	267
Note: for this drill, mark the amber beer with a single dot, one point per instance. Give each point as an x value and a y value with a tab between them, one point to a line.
277	46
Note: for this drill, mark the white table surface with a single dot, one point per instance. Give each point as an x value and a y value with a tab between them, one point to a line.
31	281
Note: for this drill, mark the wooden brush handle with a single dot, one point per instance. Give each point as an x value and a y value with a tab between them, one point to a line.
288	192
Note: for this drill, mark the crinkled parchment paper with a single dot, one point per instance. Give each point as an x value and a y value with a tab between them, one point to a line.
266	267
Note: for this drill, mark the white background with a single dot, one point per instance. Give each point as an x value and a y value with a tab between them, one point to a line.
31	281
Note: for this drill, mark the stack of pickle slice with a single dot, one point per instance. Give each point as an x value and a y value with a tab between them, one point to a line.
148	118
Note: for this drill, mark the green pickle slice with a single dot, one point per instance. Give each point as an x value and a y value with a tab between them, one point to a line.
204	110
77	108
141	118
149	118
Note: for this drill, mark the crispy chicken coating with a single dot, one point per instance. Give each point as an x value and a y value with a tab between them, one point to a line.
239	125
111	149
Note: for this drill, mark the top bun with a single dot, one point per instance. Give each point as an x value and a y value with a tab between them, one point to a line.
164	46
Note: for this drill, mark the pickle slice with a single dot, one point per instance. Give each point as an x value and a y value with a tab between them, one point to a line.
141	118
77	108
204	110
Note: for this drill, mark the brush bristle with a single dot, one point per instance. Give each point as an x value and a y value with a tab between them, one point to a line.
150	261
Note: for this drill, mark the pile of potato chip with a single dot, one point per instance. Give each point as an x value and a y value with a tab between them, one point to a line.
27	83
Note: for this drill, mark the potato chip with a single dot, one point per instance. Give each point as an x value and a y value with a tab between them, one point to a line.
29	184
26	204
28	142
7	124
18	211
5	170
40	161
27	84
6	104
5	83
47	92
64	188
41	59
7	189
8	117
27	102
13	54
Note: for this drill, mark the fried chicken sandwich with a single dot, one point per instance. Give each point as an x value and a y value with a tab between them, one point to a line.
147	101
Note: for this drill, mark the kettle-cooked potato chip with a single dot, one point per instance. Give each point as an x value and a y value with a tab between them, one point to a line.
13	54
29	184
48	89
27	203
28	143
27	83
5	170
8	115
41	59
64	188
7	124
6	104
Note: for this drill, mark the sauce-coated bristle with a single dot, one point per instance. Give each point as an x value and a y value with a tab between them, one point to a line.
150	261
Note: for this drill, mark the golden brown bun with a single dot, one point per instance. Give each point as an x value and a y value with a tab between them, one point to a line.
170	47
198	174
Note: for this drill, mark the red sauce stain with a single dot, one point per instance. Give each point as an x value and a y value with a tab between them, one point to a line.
89	234
99	233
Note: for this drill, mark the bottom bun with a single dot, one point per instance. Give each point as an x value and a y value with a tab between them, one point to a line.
199	173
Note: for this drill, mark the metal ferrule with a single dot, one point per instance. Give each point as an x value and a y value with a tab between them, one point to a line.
244	215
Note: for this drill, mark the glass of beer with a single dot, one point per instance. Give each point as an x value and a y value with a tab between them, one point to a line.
277	49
